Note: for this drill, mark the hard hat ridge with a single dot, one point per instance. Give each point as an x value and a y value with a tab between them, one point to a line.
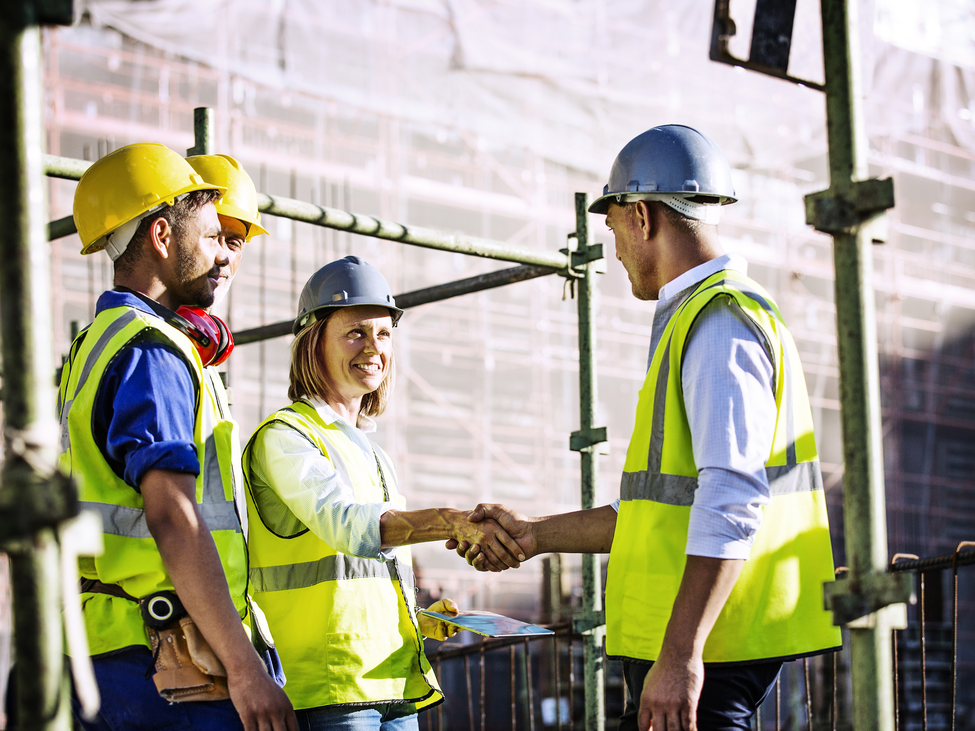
347	282
675	164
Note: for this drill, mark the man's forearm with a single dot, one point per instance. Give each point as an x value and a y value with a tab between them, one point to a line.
704	589
193	564
584	531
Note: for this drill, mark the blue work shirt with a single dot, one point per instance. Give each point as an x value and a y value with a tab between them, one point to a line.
145	408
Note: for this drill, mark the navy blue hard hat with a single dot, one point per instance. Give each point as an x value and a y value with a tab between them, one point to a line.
671	159
347	282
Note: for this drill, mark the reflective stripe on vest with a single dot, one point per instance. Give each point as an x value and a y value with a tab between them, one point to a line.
131	559
338	567
776	607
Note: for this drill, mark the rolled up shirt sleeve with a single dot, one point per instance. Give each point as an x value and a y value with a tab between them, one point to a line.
729	396
293	482
145	412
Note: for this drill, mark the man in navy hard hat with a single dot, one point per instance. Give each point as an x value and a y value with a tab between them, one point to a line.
719	543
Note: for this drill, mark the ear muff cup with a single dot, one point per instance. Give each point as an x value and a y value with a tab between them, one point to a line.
209	333
225	345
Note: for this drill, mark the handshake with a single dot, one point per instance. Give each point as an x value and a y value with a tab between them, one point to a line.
495	538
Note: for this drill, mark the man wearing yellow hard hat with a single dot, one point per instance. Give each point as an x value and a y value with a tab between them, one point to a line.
147	435
240	221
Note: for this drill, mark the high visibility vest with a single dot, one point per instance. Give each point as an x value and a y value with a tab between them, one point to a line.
776	607
345	627
131	559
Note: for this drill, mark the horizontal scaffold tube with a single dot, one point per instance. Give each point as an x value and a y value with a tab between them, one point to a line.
416	298
70	169
414	235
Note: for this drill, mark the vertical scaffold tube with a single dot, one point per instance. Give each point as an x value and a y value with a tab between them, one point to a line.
592	584
30	430
863	482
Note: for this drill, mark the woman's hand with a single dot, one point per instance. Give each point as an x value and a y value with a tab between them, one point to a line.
437	629
490	538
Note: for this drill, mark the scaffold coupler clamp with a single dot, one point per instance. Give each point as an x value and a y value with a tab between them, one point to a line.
588	622
856	601
594	440
844	211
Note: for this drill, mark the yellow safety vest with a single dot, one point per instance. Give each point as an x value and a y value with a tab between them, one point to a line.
131	559
345	627
776	607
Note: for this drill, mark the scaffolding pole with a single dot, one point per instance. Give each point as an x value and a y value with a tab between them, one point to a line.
32	500
588	441
870	601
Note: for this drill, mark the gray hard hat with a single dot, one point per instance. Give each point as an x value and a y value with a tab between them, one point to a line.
344	283
671	159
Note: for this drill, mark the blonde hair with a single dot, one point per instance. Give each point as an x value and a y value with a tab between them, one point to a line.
308	379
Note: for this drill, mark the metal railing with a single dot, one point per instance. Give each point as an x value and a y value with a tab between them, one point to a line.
530	682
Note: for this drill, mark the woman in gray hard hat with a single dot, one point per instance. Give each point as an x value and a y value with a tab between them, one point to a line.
328	529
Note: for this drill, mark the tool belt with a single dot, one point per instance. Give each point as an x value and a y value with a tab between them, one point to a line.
186	669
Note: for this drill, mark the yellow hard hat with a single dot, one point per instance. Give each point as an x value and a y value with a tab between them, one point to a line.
240	200
127	184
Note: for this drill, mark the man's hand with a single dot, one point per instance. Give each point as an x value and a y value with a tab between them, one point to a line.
193	564
671	691
435	629
489	541
515	524
261	704
672	688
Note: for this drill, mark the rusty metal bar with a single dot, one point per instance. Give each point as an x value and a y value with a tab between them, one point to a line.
511	668
528	685
924	661
778	704
954	627
470	692
558	684
809	711
832	707
483	686
572	686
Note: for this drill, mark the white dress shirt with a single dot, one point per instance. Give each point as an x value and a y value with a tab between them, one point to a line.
291	479
728	389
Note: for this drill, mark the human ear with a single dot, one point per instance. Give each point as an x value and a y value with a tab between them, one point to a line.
645	218
161	236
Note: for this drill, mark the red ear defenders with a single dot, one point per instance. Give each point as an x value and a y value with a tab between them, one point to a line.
209	333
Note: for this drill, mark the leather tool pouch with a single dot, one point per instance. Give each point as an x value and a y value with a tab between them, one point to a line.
186	668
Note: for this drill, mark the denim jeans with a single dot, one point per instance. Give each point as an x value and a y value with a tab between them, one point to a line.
384	717
130	700
729	699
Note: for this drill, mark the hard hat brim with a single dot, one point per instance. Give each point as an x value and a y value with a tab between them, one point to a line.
302	321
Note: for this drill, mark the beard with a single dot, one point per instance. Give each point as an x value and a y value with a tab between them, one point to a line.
194	283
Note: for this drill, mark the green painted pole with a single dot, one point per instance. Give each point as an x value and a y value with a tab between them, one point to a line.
30	434
592	584
202	132
863	482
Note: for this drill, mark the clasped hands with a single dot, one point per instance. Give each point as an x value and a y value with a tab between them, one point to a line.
491	526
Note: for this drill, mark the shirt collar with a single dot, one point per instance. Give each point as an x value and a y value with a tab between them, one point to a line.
366	425
113	298
700	273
